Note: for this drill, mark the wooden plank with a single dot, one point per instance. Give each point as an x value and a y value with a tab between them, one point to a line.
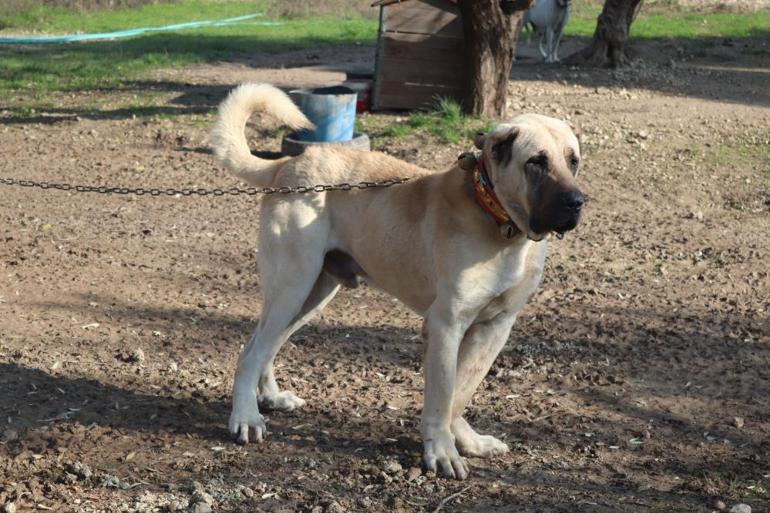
377	89
436	49
426	71
434	89
381	3
424	6
432	40
423	17
413	96
413	102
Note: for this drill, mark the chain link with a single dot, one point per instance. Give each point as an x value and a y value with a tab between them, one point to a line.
232	191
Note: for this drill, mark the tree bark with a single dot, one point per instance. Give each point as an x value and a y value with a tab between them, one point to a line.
609	45
489	50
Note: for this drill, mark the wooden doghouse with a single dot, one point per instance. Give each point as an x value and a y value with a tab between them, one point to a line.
419	54
420	51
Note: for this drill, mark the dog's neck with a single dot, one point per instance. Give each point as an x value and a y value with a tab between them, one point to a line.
484	195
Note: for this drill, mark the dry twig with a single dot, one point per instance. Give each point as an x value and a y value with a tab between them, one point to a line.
446	500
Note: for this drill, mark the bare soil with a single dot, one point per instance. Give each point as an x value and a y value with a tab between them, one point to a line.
636	380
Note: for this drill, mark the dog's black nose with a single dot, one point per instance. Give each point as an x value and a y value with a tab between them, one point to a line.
573	200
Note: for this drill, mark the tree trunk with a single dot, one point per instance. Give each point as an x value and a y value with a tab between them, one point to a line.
489	46
609	44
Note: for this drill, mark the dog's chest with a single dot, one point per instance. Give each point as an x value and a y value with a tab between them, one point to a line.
508	281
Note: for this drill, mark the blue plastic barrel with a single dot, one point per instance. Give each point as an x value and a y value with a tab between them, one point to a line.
331	109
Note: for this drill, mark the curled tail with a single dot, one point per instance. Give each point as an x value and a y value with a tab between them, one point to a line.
229	141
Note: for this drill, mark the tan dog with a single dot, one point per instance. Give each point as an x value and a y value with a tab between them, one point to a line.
428	242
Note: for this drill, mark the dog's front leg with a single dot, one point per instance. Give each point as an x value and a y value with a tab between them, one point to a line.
442	337
478	350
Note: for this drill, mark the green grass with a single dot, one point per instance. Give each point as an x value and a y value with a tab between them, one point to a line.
90	65
671	22
446	123
37	69
749	150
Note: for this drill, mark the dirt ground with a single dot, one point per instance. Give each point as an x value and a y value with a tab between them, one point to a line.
636	380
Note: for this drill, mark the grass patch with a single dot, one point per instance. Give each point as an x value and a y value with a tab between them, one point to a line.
446	123
106	64
659	21
39	69
748	151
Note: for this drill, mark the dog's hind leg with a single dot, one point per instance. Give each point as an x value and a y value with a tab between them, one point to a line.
270	396
478	350
549	42
557	42
286	286
541	47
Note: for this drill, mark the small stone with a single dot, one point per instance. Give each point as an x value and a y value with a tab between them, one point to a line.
740	508
111	481
80	470
738	422
413	474
137	355
174	506
392	467
10	435
173	367
201	496
200	507
335	507
10	507
719	504
248	492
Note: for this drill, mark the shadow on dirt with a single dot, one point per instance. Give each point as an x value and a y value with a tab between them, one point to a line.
729	70
630	395
191	99
29	395
726	366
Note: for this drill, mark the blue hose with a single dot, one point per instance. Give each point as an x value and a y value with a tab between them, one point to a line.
72	38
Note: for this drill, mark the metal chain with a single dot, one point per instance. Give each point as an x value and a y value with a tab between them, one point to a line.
233	191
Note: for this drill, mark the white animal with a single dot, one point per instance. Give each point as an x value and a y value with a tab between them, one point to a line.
548	18
465	249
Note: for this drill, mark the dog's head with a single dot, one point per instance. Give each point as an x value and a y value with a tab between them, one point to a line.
532	162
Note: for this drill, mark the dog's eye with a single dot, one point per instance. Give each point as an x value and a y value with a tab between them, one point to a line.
573	164
535	166
538	160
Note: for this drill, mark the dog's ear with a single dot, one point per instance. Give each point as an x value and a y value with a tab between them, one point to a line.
502	151
576	130
578	133
479	140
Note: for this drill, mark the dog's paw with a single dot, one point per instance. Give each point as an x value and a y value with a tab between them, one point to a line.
282	401
440	456
471	444
245	421
481	446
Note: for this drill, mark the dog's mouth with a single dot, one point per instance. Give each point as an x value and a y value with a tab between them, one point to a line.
568	225
538	230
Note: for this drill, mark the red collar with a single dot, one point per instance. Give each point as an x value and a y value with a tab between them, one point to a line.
485	195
